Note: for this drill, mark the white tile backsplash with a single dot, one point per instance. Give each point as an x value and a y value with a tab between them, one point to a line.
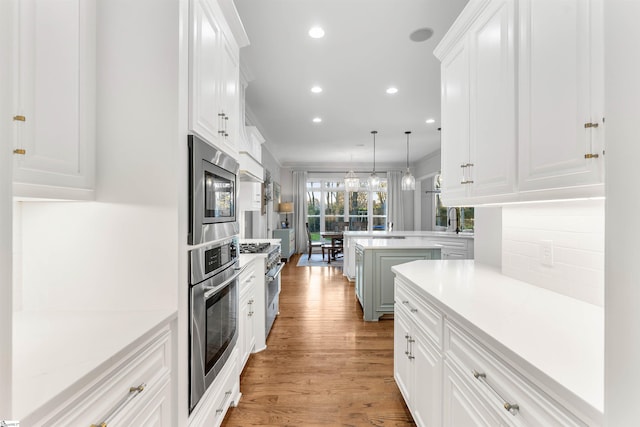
576	229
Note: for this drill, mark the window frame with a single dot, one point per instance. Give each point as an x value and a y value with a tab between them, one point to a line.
324	188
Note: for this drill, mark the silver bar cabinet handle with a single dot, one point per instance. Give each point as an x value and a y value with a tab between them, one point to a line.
512	408
133	392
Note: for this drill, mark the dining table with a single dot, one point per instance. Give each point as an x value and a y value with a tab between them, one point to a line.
334	236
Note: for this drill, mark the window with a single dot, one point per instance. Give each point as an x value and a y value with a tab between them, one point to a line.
330	207
463	215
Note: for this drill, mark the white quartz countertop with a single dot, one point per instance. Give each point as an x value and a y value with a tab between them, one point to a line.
53	352
559	338
400	234
373	243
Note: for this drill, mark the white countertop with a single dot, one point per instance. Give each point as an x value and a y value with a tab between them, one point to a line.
53	351
389	234
373	243
561	338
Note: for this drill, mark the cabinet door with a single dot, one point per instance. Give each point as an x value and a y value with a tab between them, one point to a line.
455	121
559	42
250	196
359	275
461	406
55	103
205	55
492	101
230	78
401	362
247	330
427	394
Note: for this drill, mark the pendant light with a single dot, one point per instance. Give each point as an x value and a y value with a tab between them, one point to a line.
374	180
351	180
408	181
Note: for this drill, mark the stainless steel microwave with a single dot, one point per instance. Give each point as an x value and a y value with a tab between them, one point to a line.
213	193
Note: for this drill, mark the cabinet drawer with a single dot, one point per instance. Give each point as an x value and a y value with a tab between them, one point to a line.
426	316
213	406
498	385
247	279
149	364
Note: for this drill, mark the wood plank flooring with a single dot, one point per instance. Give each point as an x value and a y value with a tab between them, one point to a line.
324	365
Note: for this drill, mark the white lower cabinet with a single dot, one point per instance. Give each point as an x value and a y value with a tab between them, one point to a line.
499	386
247	339
135	391
450	376
461	406
417	366
222	394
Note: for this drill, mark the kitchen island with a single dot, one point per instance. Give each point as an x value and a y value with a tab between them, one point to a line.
454	245
374	278
497	348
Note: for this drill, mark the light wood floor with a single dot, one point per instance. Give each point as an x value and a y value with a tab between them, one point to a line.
323	364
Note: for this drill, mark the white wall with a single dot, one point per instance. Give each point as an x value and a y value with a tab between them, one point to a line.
622	294
576	229
488	236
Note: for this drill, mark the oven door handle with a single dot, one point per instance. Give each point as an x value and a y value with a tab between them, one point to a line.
210	290
272	277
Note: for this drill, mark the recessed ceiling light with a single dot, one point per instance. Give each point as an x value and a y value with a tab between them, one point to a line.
316	89
317	120
421	34
430	121
392	90
316	33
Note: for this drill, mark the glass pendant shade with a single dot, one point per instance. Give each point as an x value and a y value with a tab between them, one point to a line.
374	180
351	182
408	181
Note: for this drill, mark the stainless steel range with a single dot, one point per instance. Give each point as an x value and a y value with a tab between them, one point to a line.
273	265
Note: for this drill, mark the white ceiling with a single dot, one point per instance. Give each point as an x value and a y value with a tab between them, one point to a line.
366	49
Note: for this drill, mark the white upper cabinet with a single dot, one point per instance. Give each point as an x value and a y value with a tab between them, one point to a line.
561	102
478	98
522	102
214	77
455	120
54	118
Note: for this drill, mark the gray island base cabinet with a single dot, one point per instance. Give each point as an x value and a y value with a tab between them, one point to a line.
374	278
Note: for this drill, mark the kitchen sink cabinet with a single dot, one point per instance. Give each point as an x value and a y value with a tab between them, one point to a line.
478	115
561	62
214	81
528	132
55	103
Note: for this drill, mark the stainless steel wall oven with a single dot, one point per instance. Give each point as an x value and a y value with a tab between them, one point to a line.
214	309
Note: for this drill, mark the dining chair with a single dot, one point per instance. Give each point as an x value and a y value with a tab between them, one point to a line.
311	243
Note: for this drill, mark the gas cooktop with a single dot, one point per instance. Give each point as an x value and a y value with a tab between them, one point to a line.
254	248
